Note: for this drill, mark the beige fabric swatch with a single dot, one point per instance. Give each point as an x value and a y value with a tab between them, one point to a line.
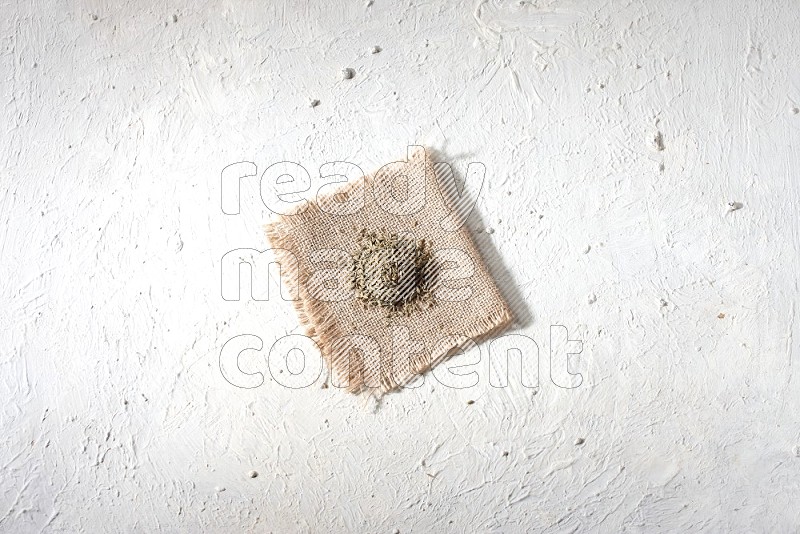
364	348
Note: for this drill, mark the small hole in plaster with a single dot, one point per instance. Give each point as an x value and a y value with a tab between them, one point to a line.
658	142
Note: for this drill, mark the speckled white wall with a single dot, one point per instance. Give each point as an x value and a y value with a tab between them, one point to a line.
614	136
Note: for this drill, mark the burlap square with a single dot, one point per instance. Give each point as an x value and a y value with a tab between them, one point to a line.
315	245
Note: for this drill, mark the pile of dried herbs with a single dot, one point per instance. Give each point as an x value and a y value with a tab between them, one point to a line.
393	272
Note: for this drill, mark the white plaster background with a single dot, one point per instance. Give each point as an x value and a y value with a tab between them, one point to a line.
114	414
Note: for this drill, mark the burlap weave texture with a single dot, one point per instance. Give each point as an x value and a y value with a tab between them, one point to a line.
315	245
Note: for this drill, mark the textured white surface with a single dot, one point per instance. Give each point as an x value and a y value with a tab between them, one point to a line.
117	120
